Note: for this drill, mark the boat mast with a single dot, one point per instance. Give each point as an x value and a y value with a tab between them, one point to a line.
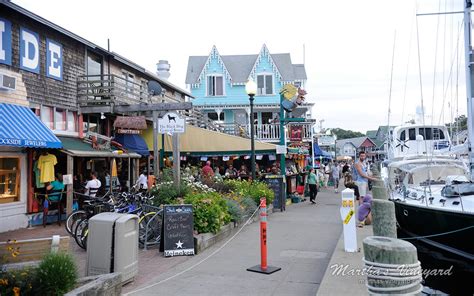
467	57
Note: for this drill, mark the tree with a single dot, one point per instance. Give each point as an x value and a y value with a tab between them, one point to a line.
345	134
459	124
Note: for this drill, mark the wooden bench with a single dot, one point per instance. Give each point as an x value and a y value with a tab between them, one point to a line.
30	252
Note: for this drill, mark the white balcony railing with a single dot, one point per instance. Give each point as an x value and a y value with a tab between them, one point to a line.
265	132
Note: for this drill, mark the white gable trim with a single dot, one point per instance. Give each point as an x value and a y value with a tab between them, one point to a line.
214	54
265	51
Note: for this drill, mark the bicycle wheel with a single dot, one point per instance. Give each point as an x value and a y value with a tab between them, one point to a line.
72	219
79	232
153	235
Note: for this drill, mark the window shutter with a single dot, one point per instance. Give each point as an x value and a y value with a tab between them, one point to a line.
269	84
219	86
260	84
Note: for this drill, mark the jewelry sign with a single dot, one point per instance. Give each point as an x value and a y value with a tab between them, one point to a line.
177	235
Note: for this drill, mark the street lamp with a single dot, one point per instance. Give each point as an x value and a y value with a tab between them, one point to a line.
251	89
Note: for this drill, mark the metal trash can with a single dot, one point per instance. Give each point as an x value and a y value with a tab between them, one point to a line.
112	245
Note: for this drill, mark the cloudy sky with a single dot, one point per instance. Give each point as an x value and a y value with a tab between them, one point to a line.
348	47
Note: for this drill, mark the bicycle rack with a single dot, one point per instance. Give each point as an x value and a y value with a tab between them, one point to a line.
158	210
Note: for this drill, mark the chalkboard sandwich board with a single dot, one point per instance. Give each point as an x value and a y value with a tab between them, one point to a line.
178	228
277	184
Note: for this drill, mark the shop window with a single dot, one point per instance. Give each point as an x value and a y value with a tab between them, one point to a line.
71	121
59	119
9	179
47	116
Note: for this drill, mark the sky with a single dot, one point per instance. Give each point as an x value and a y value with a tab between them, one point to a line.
348	47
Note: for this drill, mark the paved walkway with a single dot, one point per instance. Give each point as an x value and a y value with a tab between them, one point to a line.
300	241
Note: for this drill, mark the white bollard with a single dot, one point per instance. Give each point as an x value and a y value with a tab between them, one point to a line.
348	216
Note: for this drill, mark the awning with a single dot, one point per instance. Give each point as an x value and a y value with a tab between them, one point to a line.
19	127
133	142
199	141
76	147
318	152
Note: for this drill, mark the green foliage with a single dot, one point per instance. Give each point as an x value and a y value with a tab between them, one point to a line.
235	210
345	134
249	206
167	175
209	210
167	193
459	124
18	282
254	190
57	274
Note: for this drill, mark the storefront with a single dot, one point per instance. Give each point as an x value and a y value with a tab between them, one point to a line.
21	133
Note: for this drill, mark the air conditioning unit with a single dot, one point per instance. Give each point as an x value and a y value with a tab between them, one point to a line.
7	82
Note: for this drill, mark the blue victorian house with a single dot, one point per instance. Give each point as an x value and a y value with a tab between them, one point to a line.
218	84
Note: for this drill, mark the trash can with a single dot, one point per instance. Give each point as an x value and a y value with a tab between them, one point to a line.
112	245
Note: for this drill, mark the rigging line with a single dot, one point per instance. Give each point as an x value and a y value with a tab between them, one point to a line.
444	53
435	64
408	64
390	91
419	72
445	90
457	96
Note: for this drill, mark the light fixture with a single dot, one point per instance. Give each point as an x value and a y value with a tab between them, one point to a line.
251	87
102	116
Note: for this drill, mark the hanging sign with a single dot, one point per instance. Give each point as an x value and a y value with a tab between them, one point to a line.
325	140
296	133
280	149
171	123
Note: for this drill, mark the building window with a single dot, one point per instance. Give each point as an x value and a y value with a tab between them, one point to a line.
297	84
213	116
59	119
265	84
9	179
215	86
71	121
129	82
47	116
267	117
143	90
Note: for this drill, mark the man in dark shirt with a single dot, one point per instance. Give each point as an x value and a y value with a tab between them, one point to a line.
345	168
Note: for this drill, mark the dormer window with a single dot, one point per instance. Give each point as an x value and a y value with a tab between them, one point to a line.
265	84
215	85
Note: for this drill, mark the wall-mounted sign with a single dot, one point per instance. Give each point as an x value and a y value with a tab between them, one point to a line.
280	149
29	50
171	123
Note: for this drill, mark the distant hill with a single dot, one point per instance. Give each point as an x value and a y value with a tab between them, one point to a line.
345	134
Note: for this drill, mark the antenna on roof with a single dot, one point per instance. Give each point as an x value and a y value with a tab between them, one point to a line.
304	51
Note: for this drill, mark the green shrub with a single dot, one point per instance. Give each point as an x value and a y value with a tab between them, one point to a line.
57	274
209	210
166	193
235	210
18	282
249	206
254	190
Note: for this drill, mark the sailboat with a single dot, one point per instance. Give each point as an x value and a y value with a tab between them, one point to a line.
432	189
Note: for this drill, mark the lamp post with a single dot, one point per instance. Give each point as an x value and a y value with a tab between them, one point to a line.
251	89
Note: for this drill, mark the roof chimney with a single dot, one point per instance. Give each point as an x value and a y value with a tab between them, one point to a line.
163	69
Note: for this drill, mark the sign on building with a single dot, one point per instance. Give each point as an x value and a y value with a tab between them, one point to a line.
171	123
325	140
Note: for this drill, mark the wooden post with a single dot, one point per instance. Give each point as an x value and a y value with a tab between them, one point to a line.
70	187
156	157
176	160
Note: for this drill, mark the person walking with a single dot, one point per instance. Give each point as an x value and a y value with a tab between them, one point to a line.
361	176
313	187
335	177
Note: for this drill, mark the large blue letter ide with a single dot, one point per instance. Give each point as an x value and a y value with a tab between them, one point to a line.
5	42
29	51
54	60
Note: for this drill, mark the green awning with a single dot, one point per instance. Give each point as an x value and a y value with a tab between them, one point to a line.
77	147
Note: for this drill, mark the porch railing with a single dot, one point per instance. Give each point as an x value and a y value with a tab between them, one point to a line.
107	89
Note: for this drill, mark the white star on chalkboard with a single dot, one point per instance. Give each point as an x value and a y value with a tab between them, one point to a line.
179	245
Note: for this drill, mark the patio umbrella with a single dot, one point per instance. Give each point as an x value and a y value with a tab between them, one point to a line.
114	168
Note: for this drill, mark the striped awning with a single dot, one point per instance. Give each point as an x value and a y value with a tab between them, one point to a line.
19	127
